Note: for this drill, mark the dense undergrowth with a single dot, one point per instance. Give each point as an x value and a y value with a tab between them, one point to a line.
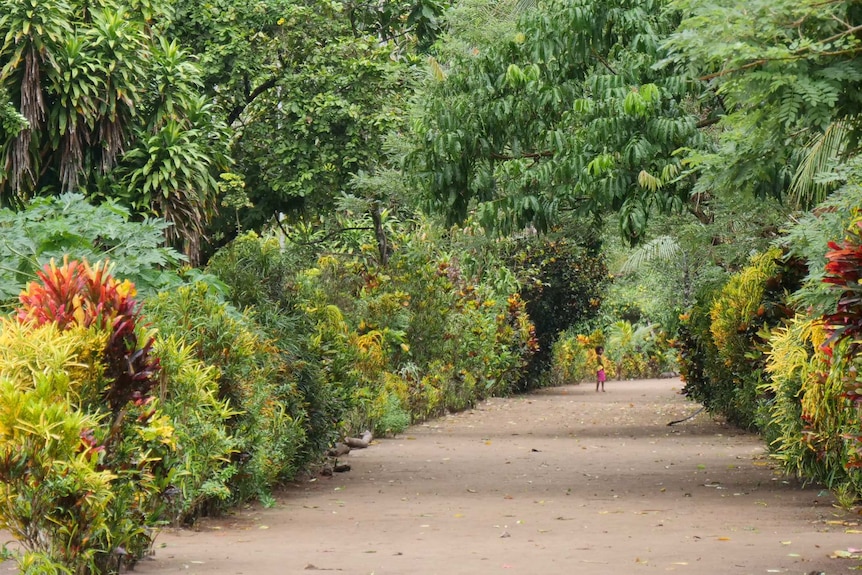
776	348
123	411
138	390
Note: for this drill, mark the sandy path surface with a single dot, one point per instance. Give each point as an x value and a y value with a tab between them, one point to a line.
564	480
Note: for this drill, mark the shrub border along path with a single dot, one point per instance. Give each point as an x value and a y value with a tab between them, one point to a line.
560	480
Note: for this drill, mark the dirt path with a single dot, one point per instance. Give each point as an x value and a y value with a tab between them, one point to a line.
564	480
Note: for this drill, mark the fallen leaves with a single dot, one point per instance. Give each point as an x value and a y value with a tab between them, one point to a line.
849	553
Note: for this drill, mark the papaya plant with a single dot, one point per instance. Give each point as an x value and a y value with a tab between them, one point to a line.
68	225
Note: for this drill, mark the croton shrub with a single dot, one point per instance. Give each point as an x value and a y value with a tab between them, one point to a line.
815	418
724	337
414	339
82	440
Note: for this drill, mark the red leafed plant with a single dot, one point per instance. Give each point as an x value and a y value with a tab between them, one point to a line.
844	270
77	294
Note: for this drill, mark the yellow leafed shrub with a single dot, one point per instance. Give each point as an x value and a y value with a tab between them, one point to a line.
54	492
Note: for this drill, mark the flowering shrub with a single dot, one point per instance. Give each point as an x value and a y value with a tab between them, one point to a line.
562	284
814	423
722	354
256	410
417	338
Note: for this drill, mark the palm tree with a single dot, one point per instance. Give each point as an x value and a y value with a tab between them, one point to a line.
626	340
110	108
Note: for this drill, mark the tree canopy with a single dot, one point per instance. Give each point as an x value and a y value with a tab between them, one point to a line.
569	113
787	74
310	90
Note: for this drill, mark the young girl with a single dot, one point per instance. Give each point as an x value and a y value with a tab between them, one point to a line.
600	368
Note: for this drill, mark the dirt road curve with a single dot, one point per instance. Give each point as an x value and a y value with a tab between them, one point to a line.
561	481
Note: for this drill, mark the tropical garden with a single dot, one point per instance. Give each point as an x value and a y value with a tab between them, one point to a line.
232	233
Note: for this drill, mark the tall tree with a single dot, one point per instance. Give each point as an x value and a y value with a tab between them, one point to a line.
789	75
310	88
569	113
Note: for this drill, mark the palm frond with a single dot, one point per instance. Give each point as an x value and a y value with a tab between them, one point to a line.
661	248
524	5
808	187
643	333
437	71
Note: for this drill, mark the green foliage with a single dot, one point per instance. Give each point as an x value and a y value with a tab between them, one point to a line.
111	109
722	351
568	361
263	280
202	459
53	497
630	351
660	279
699	363
499	132
795	367
461	325
843	273
807	238
11	122
52	228
637	350
261	276
783	84
253	383
393	417
575	359
812	422
736	311
390	344
753	301
76	294
404	22
332	90
470	25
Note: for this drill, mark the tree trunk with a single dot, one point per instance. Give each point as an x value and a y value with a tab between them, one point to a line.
380	234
